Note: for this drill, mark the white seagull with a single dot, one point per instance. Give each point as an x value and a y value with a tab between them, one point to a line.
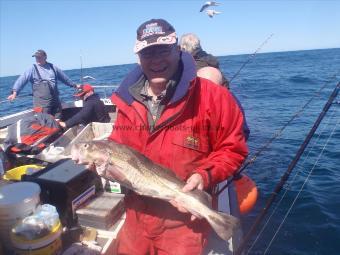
207	4
88	77
211	13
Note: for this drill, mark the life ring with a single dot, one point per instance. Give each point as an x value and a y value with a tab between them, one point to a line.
247	193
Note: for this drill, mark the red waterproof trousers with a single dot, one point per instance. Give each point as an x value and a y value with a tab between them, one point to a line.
146	234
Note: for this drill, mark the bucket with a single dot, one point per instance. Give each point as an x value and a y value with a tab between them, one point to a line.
17	200
16	173
49	244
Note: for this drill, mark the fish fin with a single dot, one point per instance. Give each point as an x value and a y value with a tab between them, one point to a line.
149	192
223	224
115	173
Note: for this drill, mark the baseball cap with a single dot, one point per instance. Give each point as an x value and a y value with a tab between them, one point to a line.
39	53
154	32
83	90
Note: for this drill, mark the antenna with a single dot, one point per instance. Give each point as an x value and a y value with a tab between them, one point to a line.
81	69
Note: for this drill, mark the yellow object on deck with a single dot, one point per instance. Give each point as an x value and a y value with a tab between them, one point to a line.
15	174
49	244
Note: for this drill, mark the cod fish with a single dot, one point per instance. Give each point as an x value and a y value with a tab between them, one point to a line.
138	173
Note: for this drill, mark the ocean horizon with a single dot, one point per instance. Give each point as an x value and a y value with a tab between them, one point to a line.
219	56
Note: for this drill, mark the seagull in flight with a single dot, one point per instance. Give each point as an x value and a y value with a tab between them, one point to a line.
207	4
88	77
211	13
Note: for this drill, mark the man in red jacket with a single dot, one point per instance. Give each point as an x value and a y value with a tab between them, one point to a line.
182	122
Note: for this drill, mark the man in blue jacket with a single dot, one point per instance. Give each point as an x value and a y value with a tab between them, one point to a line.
93	109
44	77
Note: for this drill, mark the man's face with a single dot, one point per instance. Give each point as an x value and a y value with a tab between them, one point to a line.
160	62
40	59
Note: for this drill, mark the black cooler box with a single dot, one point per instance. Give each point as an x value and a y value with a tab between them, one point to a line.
66	185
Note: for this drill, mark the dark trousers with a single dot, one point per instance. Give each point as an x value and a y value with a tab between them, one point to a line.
53	109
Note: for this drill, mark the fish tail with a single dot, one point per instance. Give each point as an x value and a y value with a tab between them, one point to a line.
223	224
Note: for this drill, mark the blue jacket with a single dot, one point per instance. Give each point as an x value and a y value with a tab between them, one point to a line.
47	73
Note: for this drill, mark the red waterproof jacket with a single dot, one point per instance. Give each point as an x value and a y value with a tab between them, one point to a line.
199	131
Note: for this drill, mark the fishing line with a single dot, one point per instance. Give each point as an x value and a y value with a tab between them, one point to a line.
330	119
291	183
16	98
303	185
250	58
289	186
290	168
276	134
4	101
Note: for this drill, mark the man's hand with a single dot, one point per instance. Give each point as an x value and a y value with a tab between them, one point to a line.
195	181
12	96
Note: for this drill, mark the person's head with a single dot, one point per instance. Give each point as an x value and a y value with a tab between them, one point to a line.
157	49
40	57
85	91
211	73
190	43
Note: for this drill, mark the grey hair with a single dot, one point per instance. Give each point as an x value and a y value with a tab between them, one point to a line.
190	43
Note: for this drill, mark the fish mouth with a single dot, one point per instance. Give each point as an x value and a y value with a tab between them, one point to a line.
82	161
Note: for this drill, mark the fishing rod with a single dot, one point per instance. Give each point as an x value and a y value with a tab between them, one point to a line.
277	134
81	70
251	57
86	77
291	166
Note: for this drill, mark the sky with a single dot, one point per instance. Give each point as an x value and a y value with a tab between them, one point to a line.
103	32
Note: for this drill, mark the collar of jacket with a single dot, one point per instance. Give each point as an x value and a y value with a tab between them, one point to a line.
93	96
189	73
